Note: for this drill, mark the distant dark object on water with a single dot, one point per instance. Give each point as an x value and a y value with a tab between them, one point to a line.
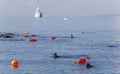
71	35
41	15
55	55
7	35
16	40
82	32
88	65
33	35
26	36
112	46
30	36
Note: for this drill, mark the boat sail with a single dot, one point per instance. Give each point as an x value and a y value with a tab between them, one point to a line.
65	18
38	13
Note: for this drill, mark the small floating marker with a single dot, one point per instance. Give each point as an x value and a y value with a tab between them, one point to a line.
53	37
32	40
14	64
25	33
88	58
81	60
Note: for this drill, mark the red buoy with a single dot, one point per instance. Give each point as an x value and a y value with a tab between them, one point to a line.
53	38
81	60
32	40
88	58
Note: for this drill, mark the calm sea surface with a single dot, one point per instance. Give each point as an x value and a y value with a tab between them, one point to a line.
98	37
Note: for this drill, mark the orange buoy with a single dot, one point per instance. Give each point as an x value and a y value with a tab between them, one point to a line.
26	33
53	38
88	58
32	40
81	60
14	64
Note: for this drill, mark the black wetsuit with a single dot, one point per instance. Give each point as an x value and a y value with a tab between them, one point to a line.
55	55
88	65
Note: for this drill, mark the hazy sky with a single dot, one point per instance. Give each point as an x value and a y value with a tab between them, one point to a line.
60	7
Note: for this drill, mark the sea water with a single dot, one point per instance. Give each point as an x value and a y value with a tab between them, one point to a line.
96	36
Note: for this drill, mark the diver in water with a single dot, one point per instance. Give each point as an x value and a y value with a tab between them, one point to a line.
88	65
55	55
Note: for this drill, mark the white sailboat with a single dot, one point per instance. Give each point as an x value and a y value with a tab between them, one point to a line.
38	13
65	18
